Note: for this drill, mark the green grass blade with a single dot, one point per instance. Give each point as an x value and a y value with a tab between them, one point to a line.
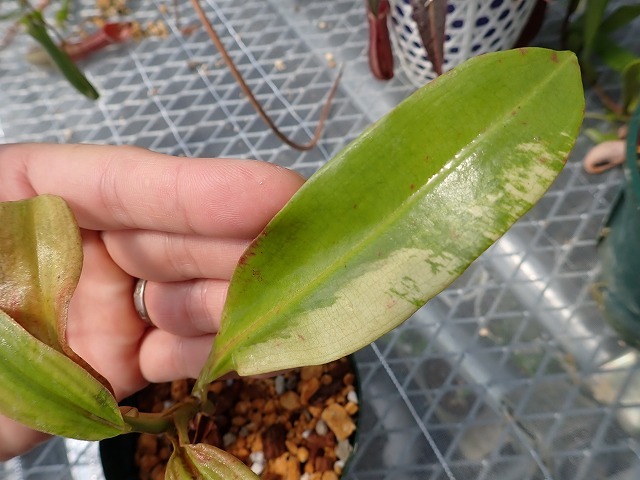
37	28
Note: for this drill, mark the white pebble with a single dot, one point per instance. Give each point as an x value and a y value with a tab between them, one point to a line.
279	384
343	450
257	468
321	427
352	396
258	462
228	438
257	457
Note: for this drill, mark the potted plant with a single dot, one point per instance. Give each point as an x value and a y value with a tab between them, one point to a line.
387	224
434	36
64	53
298	424
589	30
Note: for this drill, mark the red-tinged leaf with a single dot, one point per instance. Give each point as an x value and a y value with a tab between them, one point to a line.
430	16
206	462
40	263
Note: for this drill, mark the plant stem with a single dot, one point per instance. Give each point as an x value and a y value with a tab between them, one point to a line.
608	101
175	417
247	91
147	422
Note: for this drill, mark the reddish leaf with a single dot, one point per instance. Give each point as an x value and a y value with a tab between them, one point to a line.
40	264
206	463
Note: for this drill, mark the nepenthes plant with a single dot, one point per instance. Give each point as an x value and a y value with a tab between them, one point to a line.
64	54
387	224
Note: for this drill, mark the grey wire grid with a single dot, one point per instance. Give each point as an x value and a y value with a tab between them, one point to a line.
511	373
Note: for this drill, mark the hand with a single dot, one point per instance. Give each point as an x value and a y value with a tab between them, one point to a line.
180	223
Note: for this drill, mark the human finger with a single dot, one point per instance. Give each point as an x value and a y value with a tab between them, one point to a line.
186	309
165	357
115	187
172	257
16	439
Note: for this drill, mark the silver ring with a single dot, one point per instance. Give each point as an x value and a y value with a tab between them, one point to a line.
138	301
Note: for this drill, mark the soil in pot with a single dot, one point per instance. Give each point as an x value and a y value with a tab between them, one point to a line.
299	425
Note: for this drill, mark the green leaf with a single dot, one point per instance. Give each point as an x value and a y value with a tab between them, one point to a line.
627	63
47	391
596	135
593	17
615	56
631	86
374	6
400	213
206	462
37	28
621	16
178	468
62	14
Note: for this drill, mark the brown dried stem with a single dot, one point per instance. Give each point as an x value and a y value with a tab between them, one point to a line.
252	99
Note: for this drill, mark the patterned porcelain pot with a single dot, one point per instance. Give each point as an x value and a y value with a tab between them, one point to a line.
472	27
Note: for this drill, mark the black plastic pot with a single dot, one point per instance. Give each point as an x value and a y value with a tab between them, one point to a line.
117	454
619	250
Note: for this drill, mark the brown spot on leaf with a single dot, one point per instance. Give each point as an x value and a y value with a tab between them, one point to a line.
244	259
554	57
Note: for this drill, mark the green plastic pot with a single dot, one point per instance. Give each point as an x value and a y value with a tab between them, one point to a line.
619	250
